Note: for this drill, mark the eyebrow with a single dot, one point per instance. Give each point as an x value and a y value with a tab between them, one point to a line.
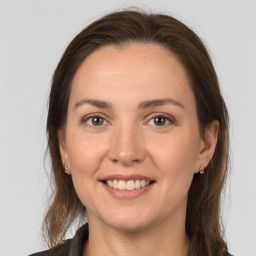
142	105
159	102
95	103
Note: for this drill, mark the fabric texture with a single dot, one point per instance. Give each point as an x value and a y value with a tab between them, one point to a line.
70	247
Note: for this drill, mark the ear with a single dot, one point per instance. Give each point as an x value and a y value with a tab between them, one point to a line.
63	151
208	145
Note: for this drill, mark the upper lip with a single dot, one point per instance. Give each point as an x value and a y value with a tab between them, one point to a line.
126	177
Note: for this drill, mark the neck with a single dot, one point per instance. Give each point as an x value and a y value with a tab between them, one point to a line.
158	240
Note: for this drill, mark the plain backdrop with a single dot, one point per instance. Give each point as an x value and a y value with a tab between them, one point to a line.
33	37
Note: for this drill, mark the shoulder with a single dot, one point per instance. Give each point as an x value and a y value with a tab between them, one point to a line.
72	246
59	250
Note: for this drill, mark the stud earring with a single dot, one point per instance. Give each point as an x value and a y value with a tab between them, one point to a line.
65	168
201	169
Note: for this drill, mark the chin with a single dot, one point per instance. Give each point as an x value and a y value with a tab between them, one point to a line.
127	226
127	221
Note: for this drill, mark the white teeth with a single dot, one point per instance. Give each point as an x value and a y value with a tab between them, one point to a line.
115	184
122	185
130	185
143	183
110	183
137	184
127	185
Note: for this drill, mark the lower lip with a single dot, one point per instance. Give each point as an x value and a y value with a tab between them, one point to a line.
127	194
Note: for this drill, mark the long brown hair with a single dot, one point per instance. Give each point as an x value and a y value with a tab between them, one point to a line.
203	218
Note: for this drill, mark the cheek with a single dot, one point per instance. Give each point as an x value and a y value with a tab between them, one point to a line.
85	157
85	154
179	151
175	157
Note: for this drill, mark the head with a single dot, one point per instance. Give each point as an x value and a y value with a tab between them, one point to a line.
167	43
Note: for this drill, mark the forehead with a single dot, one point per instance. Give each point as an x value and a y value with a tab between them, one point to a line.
143	56
140	70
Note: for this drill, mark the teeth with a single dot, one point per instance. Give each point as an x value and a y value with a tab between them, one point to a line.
137	183
122	185
130	185
110	183
127	185
115	184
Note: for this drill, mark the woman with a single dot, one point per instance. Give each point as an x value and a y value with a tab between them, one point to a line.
138	137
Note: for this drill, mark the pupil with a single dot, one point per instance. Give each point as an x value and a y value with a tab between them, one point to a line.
159	120
97	121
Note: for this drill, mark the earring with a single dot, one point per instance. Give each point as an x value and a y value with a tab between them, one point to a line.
65	168
201	169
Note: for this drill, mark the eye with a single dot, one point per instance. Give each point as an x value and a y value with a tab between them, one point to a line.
160	120
95	121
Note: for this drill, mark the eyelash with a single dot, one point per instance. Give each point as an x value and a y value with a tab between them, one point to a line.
85	120
168	118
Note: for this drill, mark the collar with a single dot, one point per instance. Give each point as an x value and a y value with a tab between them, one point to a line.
76	247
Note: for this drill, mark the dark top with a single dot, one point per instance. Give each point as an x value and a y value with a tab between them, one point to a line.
70	247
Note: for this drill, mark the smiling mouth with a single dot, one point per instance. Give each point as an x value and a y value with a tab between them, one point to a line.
128	185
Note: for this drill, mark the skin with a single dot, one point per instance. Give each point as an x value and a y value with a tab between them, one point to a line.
129	141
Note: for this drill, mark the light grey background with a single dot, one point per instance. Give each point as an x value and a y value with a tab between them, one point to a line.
33	37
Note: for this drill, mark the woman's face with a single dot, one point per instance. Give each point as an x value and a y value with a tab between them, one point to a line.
131	121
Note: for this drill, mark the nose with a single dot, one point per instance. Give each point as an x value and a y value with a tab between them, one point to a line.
126	146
